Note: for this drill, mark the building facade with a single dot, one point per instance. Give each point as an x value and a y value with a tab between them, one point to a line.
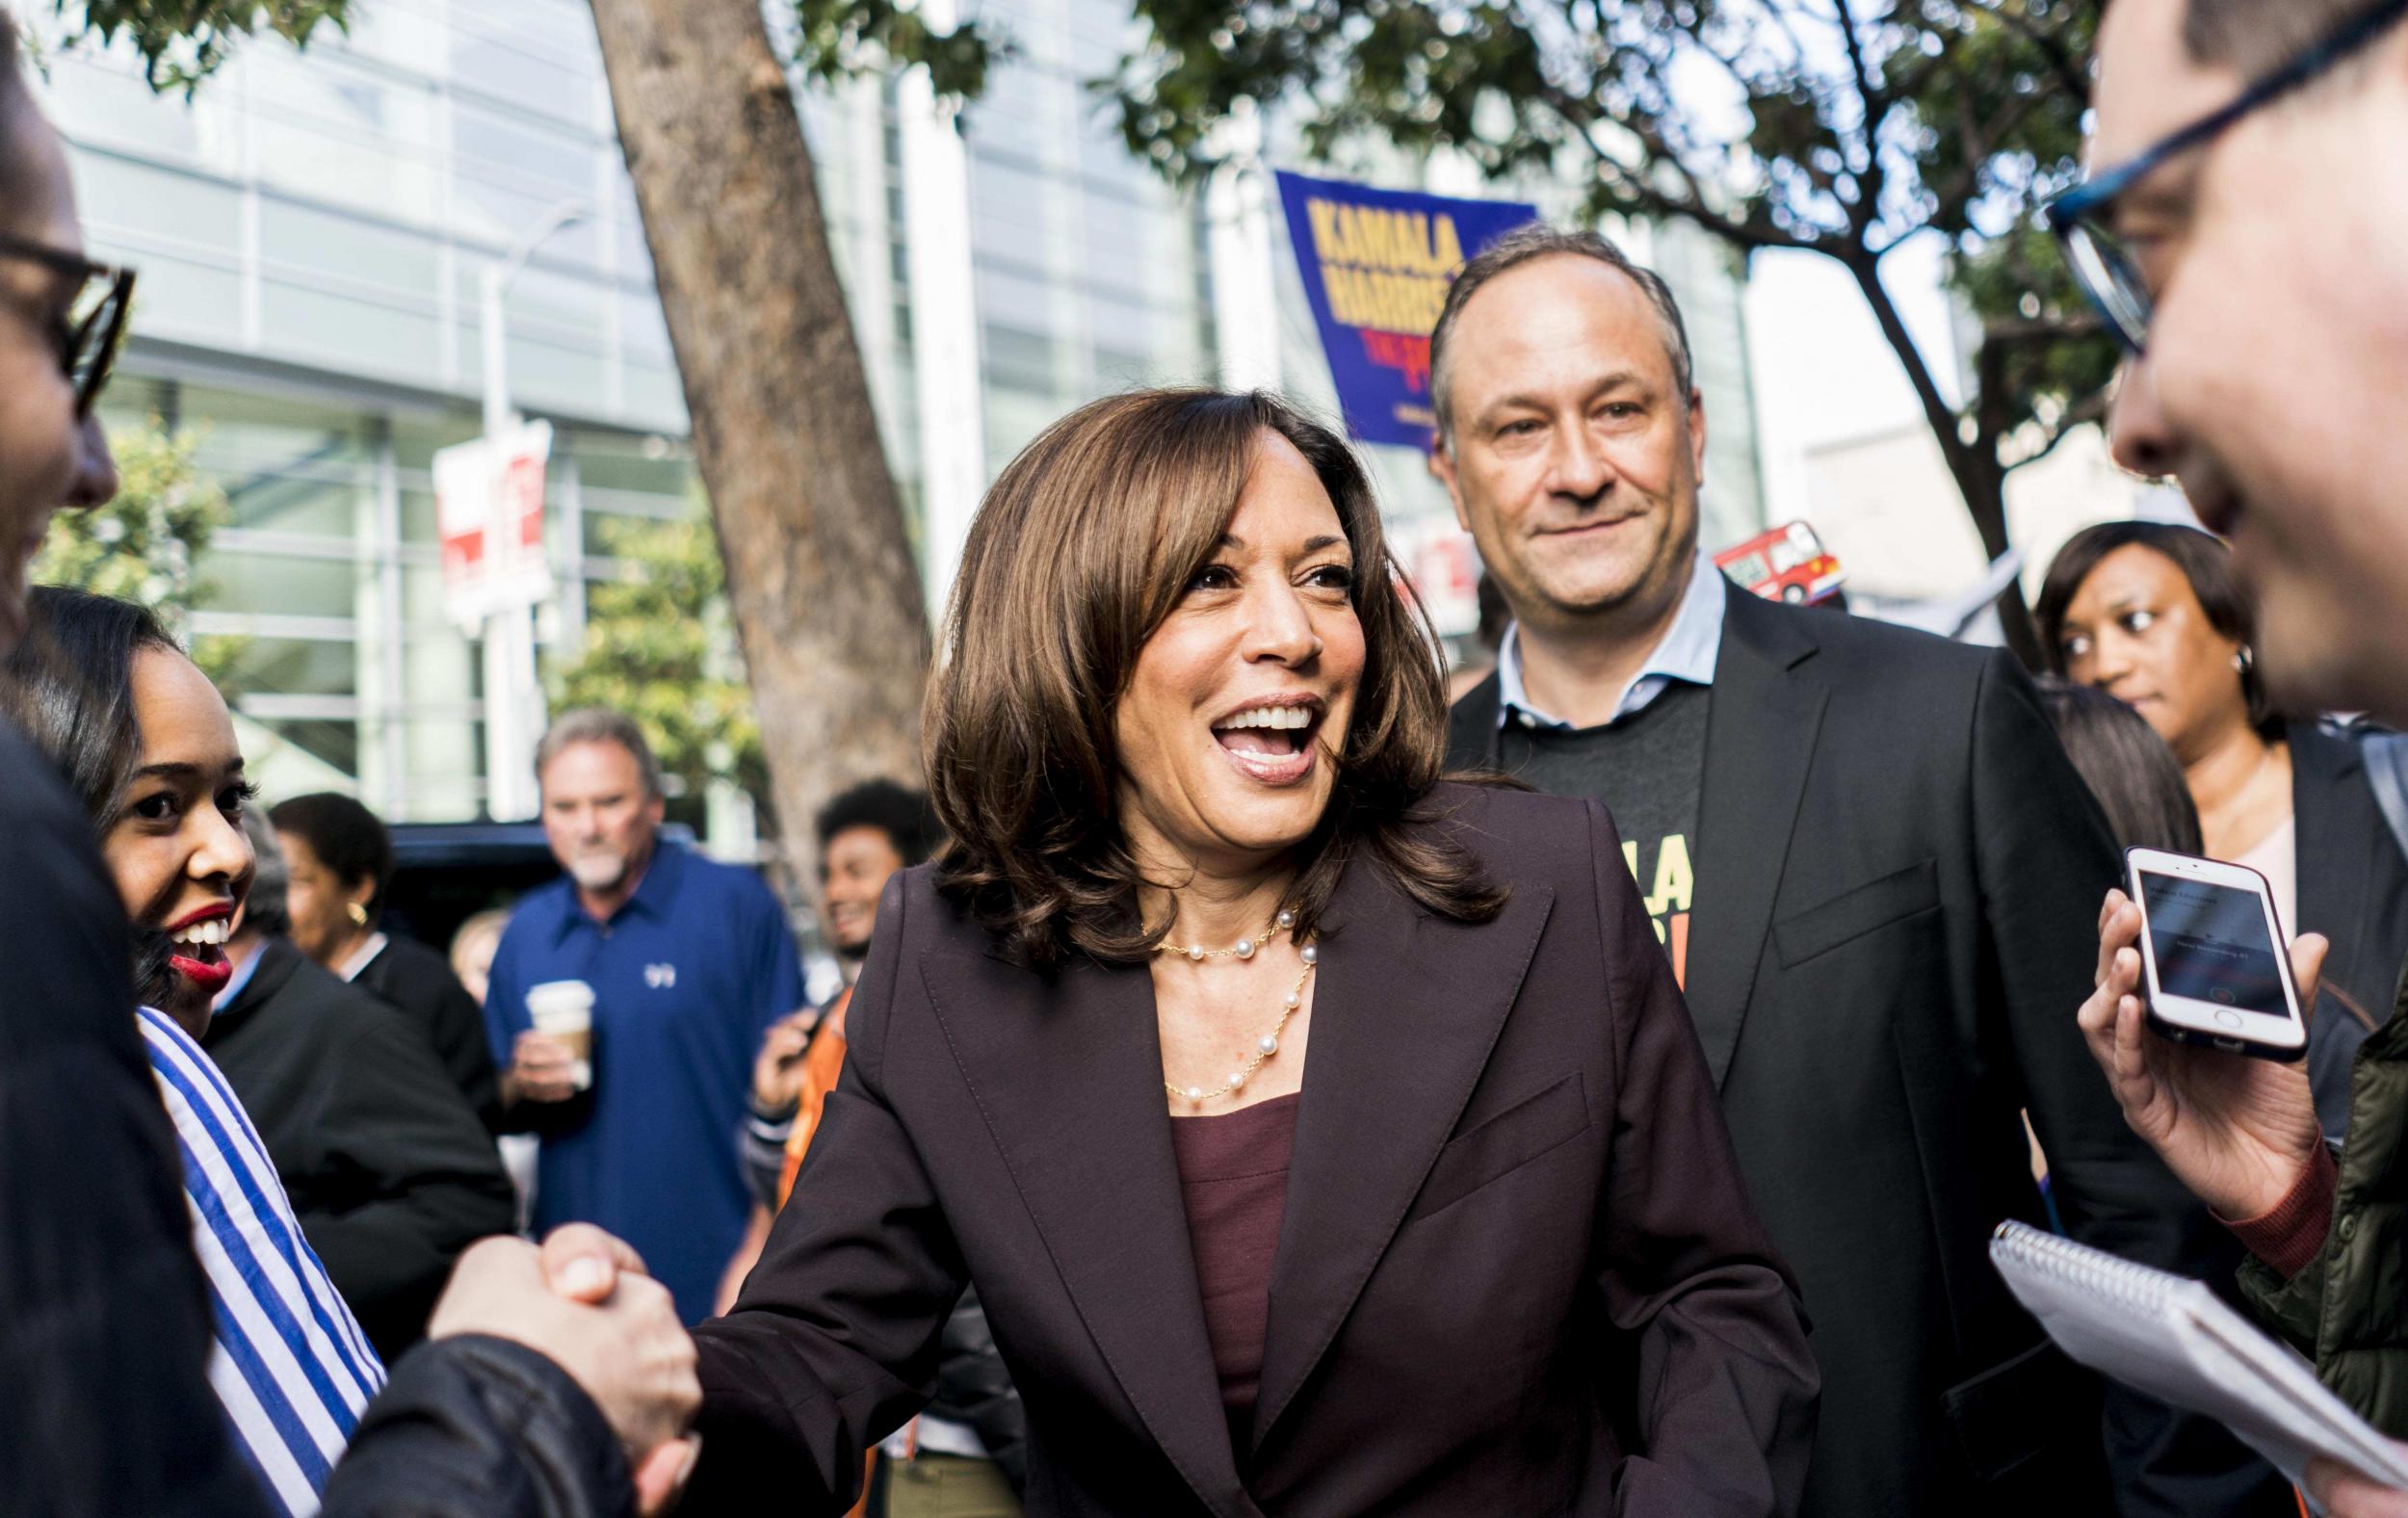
313	227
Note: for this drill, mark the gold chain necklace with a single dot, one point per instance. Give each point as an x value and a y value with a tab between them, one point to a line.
1264	1047
1244	948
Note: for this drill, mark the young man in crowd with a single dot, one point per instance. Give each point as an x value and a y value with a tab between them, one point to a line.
682	963
1868	859
2248	198
523	1405
966	1455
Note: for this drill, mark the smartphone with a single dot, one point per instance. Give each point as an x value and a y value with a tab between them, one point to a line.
2211	956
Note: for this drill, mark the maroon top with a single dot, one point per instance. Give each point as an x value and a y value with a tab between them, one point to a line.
1233	1173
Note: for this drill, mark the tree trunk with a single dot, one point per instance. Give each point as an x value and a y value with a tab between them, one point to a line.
819	575
1979	476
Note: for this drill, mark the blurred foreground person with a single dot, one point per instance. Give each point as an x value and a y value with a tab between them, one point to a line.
1868	859
2152	614
966	1454
338	860
389	1171
1321	1139
2243	201
670	967
104	1310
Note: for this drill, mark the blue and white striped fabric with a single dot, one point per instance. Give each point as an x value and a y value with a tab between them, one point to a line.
290	1364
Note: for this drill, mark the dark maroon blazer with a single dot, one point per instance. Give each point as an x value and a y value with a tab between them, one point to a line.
1517	1273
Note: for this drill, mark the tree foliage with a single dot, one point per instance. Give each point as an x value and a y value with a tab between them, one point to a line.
1839	127
660	646
184	41
143	545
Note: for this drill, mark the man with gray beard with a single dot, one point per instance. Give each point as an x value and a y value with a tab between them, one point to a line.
678	965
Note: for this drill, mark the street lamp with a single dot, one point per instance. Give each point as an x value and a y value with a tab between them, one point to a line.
514	698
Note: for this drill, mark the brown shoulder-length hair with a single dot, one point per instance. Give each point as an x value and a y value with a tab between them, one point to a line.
1077	554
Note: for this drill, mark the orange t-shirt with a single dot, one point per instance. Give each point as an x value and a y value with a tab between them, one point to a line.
821	1062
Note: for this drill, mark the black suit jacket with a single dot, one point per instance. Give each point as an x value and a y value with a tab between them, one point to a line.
1899	879
2353	889
415	980
1516	1272
390	1173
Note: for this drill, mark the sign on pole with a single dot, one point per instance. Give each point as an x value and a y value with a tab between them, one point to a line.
1377	266
488	507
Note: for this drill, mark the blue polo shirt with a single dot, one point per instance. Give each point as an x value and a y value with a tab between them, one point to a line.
687	975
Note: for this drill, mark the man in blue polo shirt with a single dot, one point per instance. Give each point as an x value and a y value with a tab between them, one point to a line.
685	962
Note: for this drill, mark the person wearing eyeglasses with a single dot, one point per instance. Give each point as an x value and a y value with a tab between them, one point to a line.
529	1404
2245	235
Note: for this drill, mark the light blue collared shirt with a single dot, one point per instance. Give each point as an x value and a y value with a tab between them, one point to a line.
1688	652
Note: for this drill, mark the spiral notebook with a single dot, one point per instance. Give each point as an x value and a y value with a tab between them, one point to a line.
2171	1337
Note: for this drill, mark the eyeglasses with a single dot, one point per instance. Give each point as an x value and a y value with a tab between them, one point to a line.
2103	264
93	328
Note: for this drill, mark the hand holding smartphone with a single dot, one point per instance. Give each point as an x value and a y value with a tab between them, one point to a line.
2214	970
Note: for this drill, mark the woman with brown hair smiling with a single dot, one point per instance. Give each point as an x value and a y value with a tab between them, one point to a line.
1322	1139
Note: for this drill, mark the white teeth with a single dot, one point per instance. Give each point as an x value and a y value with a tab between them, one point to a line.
1275	717
212	931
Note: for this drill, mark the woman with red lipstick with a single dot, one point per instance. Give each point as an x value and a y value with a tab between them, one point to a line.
2153	613
145	743
1320	1139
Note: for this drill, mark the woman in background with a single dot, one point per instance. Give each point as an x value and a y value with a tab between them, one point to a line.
2152	614
340	860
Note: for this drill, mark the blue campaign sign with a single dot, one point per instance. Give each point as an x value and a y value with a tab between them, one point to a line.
1377	265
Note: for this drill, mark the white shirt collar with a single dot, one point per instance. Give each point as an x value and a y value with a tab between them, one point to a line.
1687	652
366	955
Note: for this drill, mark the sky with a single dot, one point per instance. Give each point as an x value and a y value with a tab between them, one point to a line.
1823	371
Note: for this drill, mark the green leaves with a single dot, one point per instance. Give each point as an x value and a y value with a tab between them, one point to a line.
184	41
842	39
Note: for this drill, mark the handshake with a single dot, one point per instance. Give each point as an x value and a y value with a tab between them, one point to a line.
584	1302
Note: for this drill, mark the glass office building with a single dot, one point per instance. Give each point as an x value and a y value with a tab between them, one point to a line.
312	229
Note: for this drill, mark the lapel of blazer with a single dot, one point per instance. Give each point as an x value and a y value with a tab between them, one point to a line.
1068	1075
1472	742
1759	739
1406	1011
2327	775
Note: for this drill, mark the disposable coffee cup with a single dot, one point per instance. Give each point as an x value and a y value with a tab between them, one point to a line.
563	1011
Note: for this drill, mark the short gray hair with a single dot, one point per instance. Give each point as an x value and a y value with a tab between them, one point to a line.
264	907
599	725
1525	245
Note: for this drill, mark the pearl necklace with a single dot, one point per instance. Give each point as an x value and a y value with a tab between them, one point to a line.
1244	948
1264	1047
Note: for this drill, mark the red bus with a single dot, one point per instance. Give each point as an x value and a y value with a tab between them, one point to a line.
1786	563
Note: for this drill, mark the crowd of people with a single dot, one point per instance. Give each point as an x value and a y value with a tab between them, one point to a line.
1266	1078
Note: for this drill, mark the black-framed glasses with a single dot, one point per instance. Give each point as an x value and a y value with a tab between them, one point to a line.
2102	264
93	328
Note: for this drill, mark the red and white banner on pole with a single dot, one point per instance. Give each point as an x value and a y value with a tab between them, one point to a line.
488	507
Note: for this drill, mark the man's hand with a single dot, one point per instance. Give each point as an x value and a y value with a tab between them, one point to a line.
777	1070
2345	1494
541	1069
2239	1132
615	1330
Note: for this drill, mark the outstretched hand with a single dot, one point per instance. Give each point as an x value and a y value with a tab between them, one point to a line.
2239	1132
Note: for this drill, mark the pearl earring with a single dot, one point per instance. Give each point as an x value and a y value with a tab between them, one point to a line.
2242	660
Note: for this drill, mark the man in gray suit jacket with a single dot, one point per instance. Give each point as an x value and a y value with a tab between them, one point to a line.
1876	875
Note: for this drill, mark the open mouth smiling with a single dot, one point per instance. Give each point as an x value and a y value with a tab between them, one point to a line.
1270	740
199	954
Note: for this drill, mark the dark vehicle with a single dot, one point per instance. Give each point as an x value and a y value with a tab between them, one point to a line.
446	873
